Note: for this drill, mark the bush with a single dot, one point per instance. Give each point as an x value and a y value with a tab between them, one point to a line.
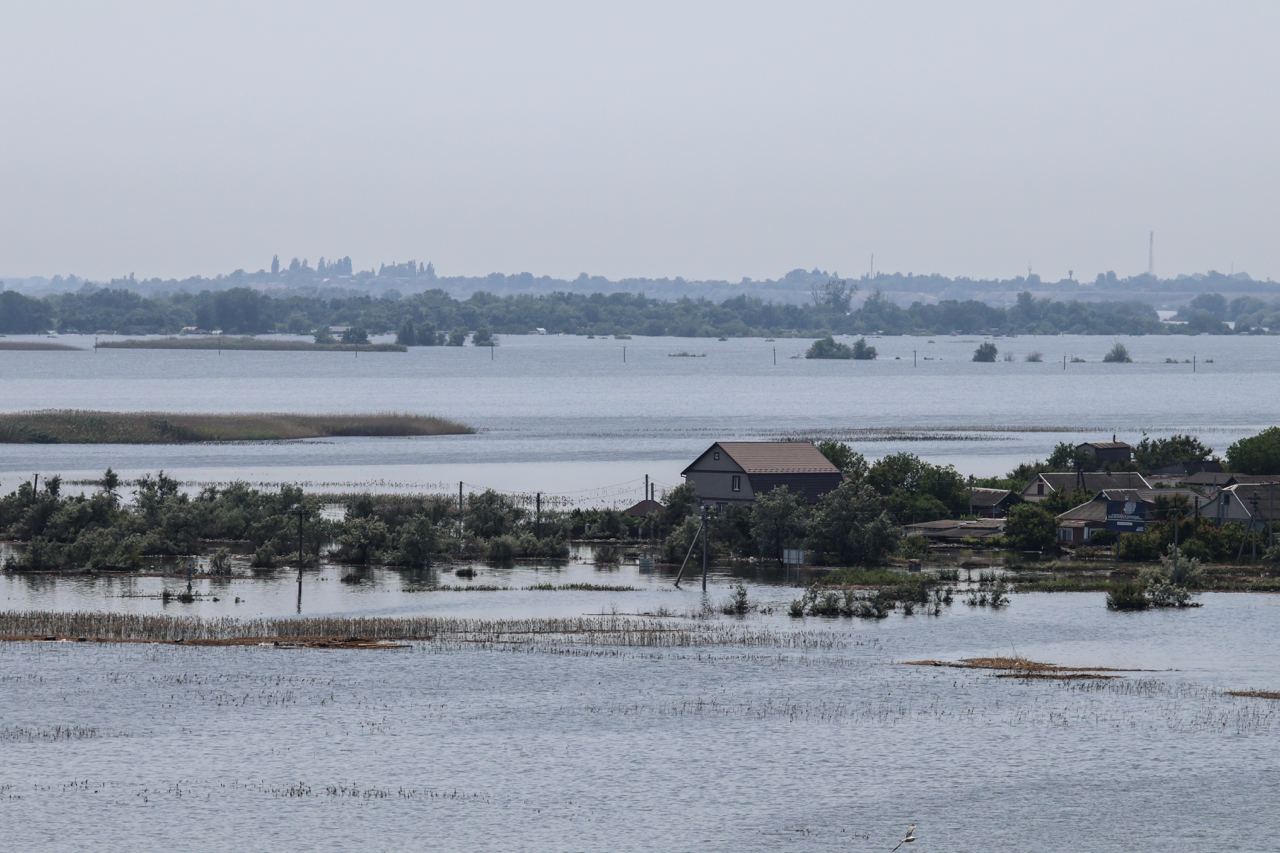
862	351
1030	527
501	549
1118	354
829	347
986	351
1131	595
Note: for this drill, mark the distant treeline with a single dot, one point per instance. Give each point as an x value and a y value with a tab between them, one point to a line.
428	316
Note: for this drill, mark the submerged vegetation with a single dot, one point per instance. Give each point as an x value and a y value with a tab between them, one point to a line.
90	427
219	342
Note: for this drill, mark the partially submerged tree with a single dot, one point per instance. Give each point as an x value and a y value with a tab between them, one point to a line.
986	351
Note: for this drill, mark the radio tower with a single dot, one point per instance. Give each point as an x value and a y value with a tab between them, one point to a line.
1151	255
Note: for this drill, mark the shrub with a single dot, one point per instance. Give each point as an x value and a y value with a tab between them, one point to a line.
1118	354
1131	595
862	351
829	347
986	351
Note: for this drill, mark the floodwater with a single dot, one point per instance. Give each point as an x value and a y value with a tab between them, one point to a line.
791	734
570	744
567	416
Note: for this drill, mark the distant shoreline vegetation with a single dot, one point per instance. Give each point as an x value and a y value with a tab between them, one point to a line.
89	427
434	317
221	342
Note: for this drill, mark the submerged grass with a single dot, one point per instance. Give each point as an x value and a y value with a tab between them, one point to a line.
69	426
37	346
606	630
218	342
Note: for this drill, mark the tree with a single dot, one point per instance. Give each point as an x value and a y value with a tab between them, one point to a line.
275	264
862	351
1030	527
355	335
834	295
457	337
986	351
483	338
1154	453
1258	454
850	462
777	521
20	315
1118	354
915	490
110	482
850	524
829	347
323	335
408	334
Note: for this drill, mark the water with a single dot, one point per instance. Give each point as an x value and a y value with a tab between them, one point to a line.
568	417
567	744
556	745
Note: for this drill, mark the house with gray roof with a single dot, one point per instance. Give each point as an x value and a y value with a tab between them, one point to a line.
1048	484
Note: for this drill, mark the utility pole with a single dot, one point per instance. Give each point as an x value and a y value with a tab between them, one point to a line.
646	486
537	515
775	356
706	531
914	361
624	353
459	515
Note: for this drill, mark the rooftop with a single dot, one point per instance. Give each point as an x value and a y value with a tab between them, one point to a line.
776	457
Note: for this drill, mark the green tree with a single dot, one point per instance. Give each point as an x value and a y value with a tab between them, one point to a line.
850	462
862	351
777	521
1158	452
850	524
355	335
1030	527
1258	454
407	335
1118	354
829	347
986	351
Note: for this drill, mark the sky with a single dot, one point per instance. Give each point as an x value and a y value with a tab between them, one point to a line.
695	139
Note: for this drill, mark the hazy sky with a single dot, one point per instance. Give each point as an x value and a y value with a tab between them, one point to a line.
697	139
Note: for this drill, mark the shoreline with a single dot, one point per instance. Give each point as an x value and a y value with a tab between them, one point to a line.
167	428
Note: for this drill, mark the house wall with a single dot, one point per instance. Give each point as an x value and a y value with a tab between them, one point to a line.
809	487
712	479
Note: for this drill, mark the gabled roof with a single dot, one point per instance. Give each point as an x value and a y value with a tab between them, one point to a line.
1266	496
1106	445
1093	481
988	497
774	457
1090	510
644	508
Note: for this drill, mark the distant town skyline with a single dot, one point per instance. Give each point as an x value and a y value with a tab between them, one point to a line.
709	141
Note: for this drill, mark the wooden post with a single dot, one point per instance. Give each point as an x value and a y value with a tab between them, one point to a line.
914	361
775	356
624	353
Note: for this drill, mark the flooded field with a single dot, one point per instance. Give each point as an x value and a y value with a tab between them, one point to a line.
569	417
760	732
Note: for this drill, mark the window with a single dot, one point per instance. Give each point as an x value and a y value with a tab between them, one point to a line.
1040	488
736	483
716	455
